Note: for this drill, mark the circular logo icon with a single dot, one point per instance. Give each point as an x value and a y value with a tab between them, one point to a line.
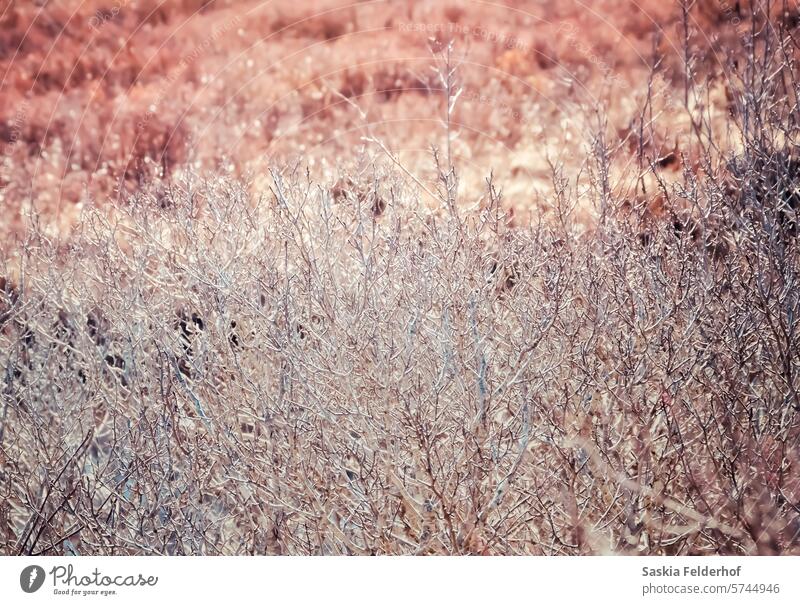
31	578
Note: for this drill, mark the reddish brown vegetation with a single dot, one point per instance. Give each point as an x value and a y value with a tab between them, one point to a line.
98	97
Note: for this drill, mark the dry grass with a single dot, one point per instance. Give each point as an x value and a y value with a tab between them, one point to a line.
377	365
211	375
94	103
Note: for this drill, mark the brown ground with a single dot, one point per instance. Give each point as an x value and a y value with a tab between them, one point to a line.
98	96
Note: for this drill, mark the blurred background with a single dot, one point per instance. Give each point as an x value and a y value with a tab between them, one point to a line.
98	97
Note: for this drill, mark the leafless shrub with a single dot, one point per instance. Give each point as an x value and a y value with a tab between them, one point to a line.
347	371
305	376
